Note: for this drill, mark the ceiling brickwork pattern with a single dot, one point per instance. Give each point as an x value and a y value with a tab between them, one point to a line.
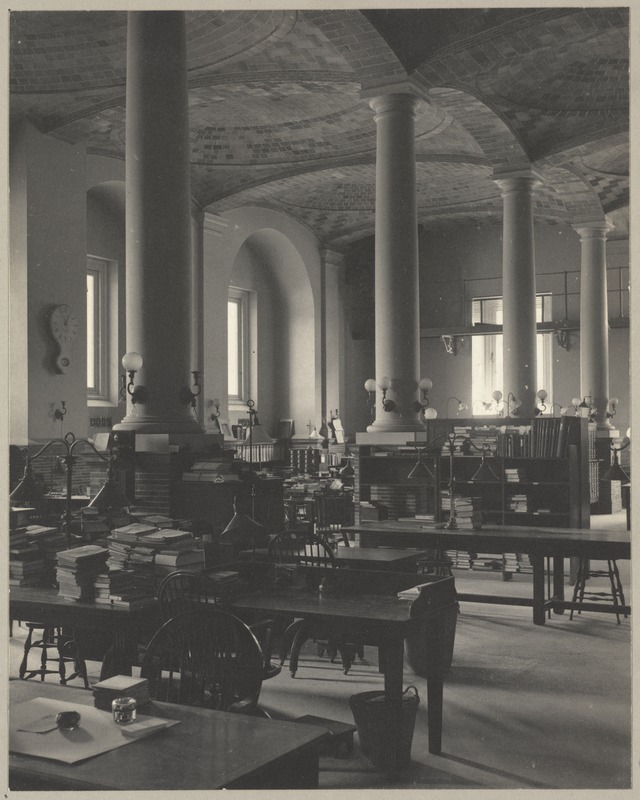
278	116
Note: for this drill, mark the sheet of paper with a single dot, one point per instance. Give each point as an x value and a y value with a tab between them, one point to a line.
97	732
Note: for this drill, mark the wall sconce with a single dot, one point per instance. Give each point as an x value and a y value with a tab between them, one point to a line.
611	412
215	404
561	413
513	405
615	471
462	406
421	406
451	344
563	338
189	395
59	413
385	385
541	394
370	387
499	402
131	363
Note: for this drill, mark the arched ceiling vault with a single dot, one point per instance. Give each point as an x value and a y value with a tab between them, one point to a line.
277	118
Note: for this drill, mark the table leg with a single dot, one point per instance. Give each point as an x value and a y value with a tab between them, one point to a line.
435	668
393	673
537	562
558	582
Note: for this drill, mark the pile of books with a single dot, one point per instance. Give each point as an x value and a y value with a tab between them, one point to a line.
519	503
77	570
491	562
459	559
104	692
26	562
515	474
224	583
215	471
50	541
463	507
127	588
173	549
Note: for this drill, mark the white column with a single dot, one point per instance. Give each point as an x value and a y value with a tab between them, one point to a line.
158	245
332	333
594	322
518	290
397	324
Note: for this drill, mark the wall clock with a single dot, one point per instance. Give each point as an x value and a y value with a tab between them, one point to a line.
63	324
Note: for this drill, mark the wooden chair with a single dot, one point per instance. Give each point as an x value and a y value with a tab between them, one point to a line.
207	658
307	551
333	513
182	591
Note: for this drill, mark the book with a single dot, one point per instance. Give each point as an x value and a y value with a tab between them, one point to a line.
179	559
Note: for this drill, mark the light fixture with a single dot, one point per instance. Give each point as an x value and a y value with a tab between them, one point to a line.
385	384
513	405
583	408
451	523
541	394
132	363
613	403
615	471
420	469
188	395
496	396
59	413
563	338
462	406
451	343
561	413
28	490
370	387
28	494
484	471
110	497
422	406
242	529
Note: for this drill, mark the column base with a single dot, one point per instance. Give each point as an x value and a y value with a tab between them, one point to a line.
142	424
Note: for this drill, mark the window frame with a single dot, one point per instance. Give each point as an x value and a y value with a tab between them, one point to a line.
101	269
240	298
492	348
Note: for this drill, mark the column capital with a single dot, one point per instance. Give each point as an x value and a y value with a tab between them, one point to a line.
407	102
518	179
592	229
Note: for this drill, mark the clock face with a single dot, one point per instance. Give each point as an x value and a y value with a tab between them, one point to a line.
63	323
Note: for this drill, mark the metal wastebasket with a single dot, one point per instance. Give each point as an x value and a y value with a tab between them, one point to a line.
371	715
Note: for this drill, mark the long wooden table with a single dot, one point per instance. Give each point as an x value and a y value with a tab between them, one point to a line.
378	619
207	750
125	627
538	543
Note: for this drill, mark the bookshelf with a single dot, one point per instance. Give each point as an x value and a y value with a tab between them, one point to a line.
541	467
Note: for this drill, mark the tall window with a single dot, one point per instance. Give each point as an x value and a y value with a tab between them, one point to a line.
98	328
486	351
238	345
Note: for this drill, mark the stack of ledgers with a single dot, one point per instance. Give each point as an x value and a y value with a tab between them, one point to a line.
77	569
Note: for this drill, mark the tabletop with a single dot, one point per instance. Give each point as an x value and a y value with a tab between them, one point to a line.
247	751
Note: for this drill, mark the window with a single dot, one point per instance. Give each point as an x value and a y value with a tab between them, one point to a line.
486	351
98	384
238	345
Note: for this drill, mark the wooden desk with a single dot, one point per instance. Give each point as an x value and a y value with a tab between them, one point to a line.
208	750
378	619
126	627
373	558
537	543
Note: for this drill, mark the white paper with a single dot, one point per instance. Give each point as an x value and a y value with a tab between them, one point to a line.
97	732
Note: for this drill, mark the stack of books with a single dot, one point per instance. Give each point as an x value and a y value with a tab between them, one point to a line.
93	524
491	562
463	507
173	549
127	588
26	562
519	503
50	542
224	583
104	692
77	570
460	559
515	474
211	472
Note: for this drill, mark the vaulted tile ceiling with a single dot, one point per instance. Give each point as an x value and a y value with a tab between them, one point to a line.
277	118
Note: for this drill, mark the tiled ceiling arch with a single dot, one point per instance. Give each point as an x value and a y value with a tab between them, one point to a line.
277	117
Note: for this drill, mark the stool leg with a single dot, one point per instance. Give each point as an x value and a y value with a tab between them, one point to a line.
616	575
578	589
614	588
27	646
302	634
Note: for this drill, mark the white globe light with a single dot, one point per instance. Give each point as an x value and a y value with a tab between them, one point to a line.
131	361
430	413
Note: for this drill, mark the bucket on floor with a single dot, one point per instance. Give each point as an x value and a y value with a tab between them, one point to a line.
371	715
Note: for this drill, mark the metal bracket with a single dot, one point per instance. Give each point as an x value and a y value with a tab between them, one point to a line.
451	344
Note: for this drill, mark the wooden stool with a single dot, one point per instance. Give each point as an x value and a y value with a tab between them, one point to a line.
584	573
66	651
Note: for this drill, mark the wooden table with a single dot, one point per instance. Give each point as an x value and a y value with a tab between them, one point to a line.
377	558
126	628
207	750
379	619
538	543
